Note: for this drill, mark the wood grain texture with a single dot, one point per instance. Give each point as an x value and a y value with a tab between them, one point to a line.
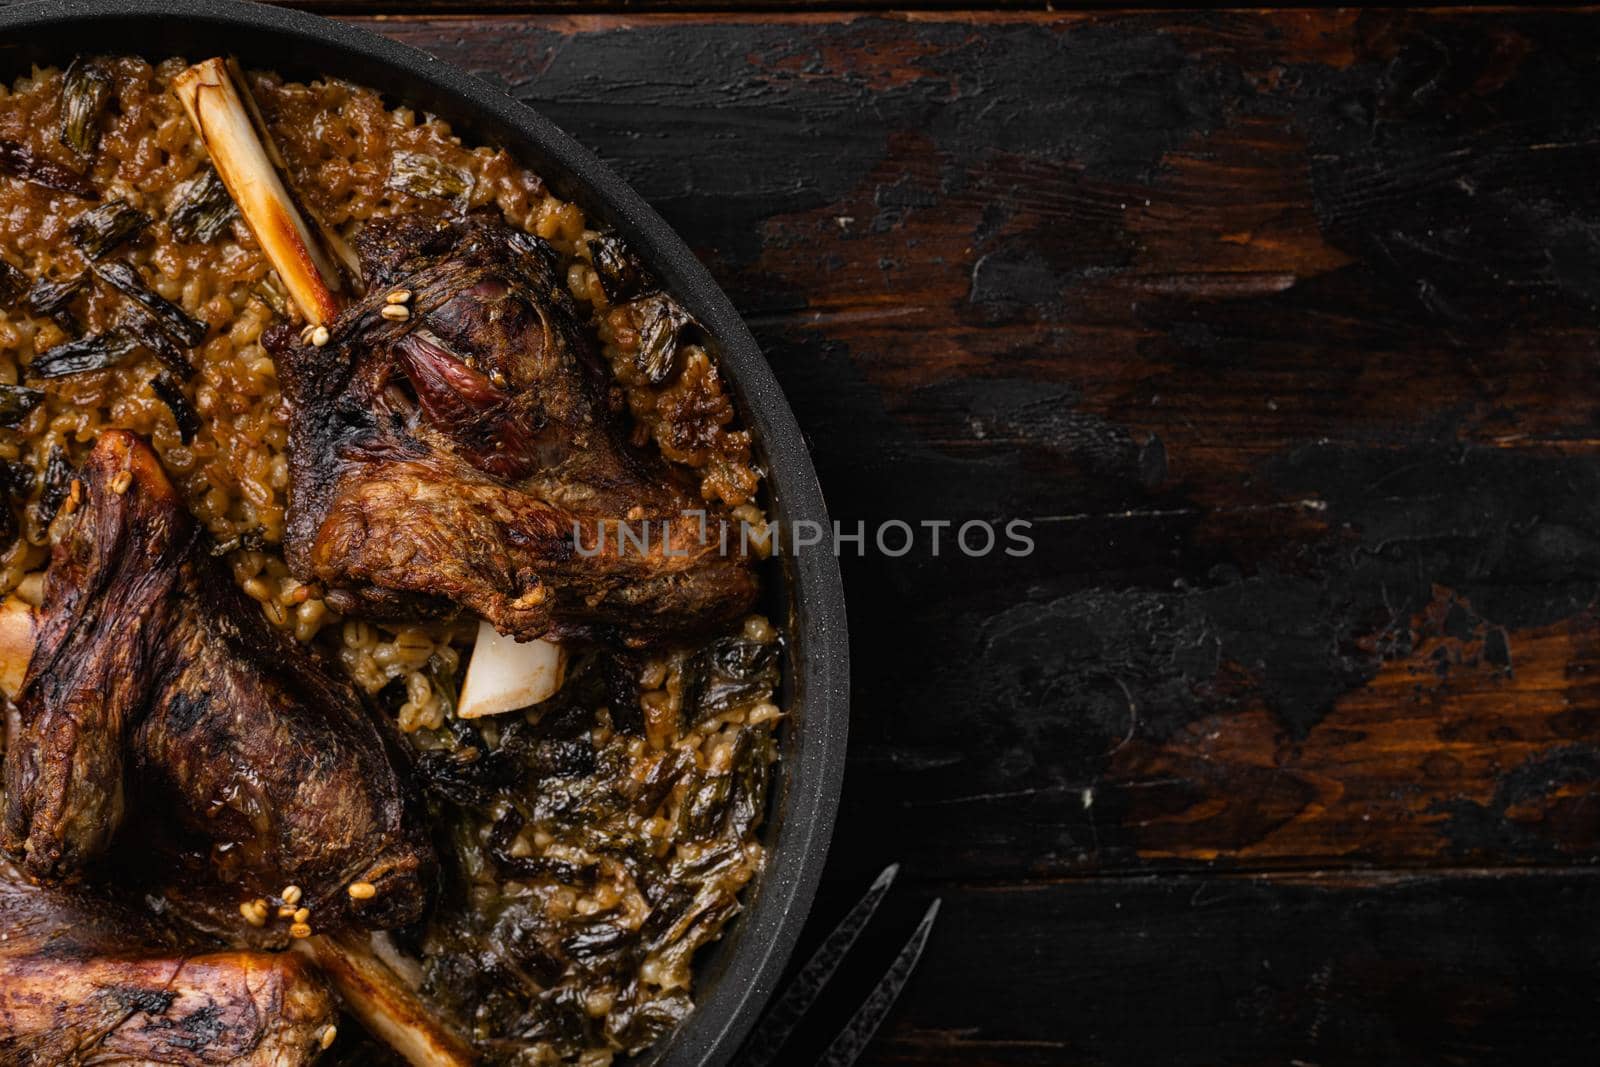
1279	328
1179	969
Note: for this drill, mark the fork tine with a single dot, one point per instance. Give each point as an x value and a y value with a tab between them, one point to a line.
858	1032
765	1044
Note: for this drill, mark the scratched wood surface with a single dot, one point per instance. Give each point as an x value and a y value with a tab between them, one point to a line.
1280	329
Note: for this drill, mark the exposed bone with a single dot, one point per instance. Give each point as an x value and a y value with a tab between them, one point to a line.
526	673
506	674
91	977
384	1005
222	119
332	243
370	989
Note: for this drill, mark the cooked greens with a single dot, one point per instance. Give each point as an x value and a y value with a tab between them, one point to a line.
423	176
142	327
103	229
563	805
53	300
201	208
56	482
92	352
17	403
622	274
19	162
661	320
85	92
270	290
726	673
183	414
15	481
13	283
125	280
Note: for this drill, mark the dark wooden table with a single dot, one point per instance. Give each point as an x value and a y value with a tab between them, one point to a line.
1280	327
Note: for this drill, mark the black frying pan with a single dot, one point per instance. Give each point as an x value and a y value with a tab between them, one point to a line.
736	976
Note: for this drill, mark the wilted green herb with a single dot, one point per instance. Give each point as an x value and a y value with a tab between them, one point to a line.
15	480
622	274
140	325
444	686
53	299
97	351
201	208
18	162
422	175
104	229
727	673
510	963
54	486
13	283
85	91
753	757
705	806
270	290
661	320
167	388
17	402
125	280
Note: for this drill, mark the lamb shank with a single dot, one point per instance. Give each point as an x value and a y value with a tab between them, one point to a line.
458	443
87	980
157	696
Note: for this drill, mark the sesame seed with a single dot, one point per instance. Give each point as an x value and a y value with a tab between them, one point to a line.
285	911
302	914
120	483
300	930
291	894
395	312
399	296
254	912
362	890
319	336
329	1034
74	496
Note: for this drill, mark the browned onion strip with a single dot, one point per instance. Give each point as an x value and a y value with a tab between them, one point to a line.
384	1005
220	116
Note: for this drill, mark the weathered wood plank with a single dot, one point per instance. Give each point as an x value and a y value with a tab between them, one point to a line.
1181	970
1280	329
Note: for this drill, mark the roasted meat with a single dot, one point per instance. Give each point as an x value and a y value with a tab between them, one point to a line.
457	444
86	980
158	696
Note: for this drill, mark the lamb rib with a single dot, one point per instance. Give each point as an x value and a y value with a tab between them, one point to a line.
466	447
157	695
86	980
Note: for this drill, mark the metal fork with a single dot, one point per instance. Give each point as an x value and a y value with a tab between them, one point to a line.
780	1021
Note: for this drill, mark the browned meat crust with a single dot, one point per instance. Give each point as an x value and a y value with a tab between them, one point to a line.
461	454
84	980
157	689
